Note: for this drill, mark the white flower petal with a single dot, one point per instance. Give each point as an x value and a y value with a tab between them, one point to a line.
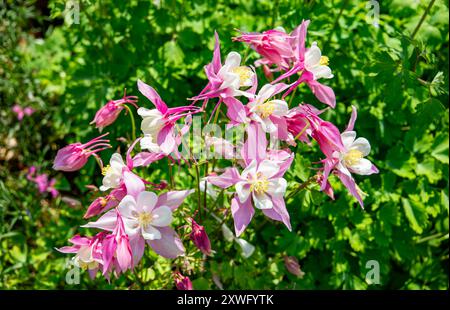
347	138
128	207
162	216
262	201
363	167
243	191
362	145
268	168
281	107
277	187
150	233
233	60
312	56
146	201
249	170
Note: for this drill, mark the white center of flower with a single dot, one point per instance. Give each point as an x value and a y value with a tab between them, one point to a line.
266	109
259	184
352	157
145	218
244	74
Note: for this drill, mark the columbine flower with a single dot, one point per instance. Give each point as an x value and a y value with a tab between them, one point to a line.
293	267
227	79
113	173
88	252
200	238
182	282
74	156
270	113
348	159
261	185
107	114
316	63
158	125
274	45
147	218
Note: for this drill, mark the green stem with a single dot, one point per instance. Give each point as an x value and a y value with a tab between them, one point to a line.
292	96
199	195
133	124
335	24
422	19
302	186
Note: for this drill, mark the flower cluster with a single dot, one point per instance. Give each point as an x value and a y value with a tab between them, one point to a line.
135	212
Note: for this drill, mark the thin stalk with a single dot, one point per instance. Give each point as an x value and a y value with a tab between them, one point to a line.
133	124
422	19
301	132
302	186
199	196
292	97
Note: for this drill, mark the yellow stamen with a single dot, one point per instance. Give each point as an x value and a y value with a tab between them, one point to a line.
266	109
106	169
145	218
244	74
324	61
352	157
260	184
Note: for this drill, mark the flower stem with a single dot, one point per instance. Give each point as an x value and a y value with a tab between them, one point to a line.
302	186
422	19
133	124
199	195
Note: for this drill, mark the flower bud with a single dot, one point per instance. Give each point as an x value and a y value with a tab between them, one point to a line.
74	156
292	266
182	282
200	238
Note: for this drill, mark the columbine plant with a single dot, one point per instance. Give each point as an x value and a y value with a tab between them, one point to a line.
134	211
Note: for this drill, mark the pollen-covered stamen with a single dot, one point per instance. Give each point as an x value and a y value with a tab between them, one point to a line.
266	109
244	74
106	169
145	218
259	184
324	61
353	157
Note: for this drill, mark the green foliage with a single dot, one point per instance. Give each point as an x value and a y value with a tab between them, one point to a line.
399	84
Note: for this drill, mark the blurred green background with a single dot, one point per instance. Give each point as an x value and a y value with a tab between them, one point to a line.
396	74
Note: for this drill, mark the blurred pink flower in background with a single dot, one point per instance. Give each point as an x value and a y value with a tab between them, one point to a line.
42	182
21	112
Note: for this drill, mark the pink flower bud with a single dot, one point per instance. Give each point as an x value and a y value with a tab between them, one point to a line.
182	283
200	238
110	111
74	156
292	266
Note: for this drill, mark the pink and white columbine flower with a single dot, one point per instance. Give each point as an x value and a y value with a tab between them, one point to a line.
108	114
113	173
21	112
349	159
74	156
88	254
227	79
158	125
147	218
268	112
274	45
260	185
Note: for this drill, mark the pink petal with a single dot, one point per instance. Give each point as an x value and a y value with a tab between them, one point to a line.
166	139
169	245
324	93
255	146
152	95
279	212
242	214
228	178
173	199
133	184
